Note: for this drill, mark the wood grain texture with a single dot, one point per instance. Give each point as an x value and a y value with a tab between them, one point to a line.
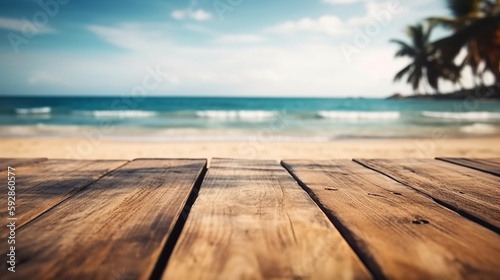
41	186
400	233
114	229
491	165
17	162
252	221
472	193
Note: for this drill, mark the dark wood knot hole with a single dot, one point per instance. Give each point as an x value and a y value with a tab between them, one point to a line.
419	221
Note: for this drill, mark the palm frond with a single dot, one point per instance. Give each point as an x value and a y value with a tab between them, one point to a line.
428	32
405	50
450	47
403	72
476	28
448	23
416	34
460	8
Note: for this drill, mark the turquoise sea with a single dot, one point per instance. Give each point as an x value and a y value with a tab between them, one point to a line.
233	119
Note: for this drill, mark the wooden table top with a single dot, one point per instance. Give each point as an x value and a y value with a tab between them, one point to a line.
253	219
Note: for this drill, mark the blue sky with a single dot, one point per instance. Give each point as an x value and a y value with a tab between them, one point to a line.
207	47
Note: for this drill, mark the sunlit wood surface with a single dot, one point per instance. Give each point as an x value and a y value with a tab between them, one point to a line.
254	219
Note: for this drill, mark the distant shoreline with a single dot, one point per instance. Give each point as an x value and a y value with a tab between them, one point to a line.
489	93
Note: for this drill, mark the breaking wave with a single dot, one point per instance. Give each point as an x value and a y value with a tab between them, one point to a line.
248	115
462	115
33	111
359	115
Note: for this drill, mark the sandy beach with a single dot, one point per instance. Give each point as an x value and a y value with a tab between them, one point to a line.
348	149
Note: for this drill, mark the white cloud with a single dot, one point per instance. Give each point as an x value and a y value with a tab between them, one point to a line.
381	11
340	1
129	36
189	13
336	2
240	38
313	68
24	26
375	11
327	24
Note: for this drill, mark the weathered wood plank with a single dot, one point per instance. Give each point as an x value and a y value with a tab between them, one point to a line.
401	233
17	162
114	229
252	221
41	186
472	193
491	165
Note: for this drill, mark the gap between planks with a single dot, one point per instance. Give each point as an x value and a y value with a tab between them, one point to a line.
251	220
177	229
400	233
118	226
471	193
491	165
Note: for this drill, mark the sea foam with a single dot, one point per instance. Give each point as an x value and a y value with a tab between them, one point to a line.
359	115
247	115
479	128
462	115
29	111
117	114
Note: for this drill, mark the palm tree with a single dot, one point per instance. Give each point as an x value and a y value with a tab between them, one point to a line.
425	65
476	26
